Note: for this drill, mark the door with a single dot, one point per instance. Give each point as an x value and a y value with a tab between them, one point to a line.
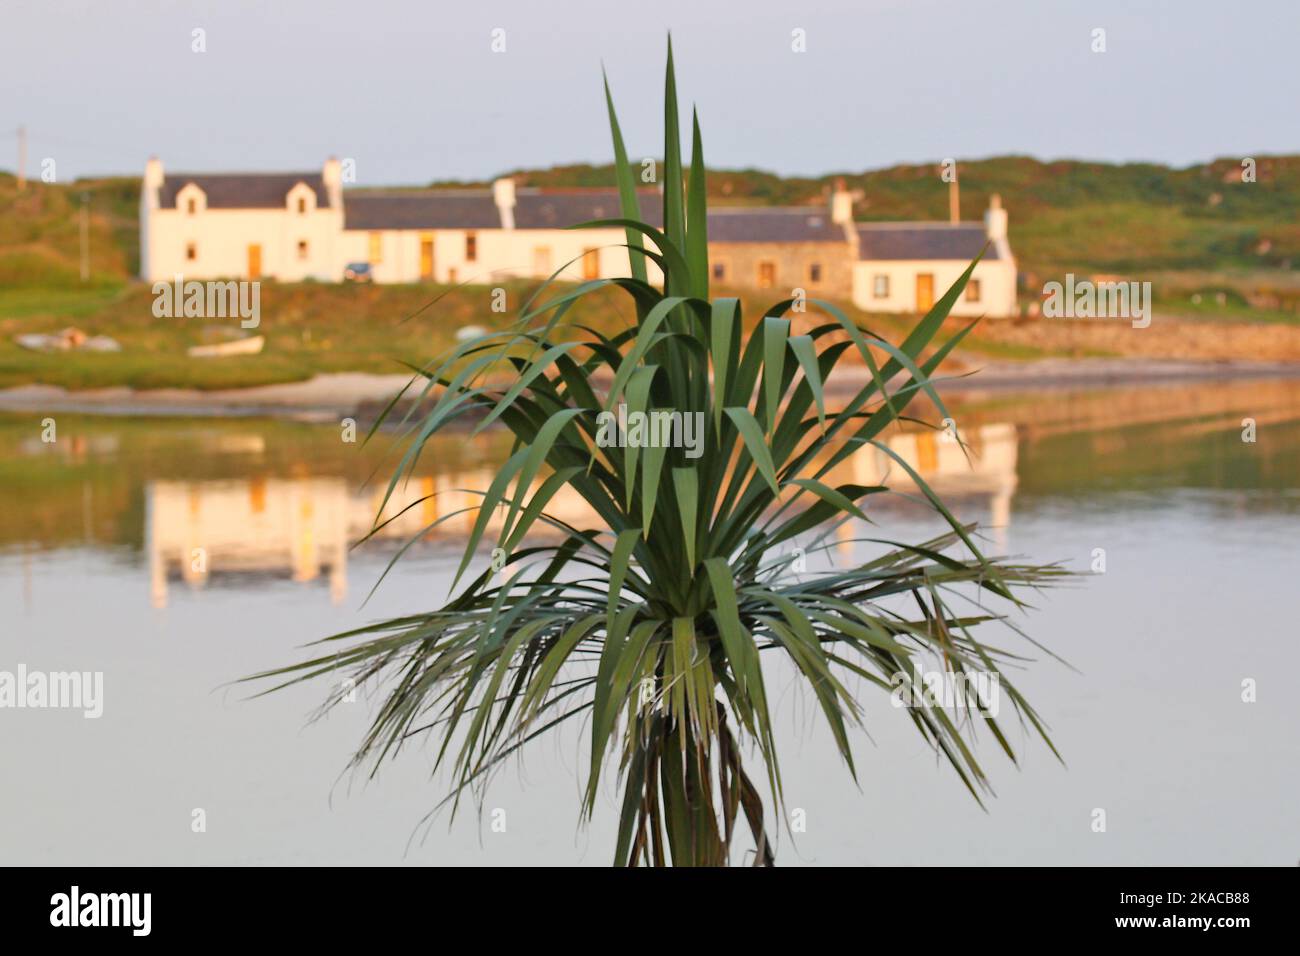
924	291
542	261
255	261
426	257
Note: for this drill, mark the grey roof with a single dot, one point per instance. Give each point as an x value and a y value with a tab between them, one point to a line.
547	209
470	209
773	224
427	210
242	190
923	240
555	209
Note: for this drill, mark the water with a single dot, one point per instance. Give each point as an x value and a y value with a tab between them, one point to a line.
98	573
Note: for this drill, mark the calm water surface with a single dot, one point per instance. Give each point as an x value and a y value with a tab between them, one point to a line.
1201	533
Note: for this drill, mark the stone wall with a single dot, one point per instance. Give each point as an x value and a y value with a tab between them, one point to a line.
792	261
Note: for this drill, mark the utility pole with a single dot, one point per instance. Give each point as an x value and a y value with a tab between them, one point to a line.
22	158
85	236
954	200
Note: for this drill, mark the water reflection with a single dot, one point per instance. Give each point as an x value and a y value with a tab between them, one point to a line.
302	528
248	502
294	527
1200	526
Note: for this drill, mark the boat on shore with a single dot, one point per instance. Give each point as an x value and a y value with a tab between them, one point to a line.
70	339
251	345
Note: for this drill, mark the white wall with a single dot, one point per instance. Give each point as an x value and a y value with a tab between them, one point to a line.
502	254
222	238
515	252
399	259
997	280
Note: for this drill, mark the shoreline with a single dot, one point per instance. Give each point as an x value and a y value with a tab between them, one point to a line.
326	397
1064	374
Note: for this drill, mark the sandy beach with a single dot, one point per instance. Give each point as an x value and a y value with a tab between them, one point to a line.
327	397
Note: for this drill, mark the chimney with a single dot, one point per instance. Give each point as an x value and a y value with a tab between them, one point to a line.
995	219
841	203
153	180
503	194
332	174
150	197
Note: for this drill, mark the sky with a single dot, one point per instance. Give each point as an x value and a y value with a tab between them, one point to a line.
414	91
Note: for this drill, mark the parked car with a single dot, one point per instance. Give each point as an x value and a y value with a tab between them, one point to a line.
358	272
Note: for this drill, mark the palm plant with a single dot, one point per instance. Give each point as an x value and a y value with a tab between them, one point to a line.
651	626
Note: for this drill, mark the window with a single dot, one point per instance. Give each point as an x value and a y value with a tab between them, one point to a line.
766	274
973	290
302	248
302	204
591	263
191	206
815	272
720	271
191	251
376	247
880	287
471	247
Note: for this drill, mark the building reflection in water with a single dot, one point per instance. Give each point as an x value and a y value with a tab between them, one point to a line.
989	473
302	528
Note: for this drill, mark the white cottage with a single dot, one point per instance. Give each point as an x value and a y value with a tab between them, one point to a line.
296	226
906	266
206	226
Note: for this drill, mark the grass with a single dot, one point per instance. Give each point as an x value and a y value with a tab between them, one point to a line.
310	328
1234	296
57	304
40	232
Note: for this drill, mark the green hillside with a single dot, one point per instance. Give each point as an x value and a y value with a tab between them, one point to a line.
40	232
